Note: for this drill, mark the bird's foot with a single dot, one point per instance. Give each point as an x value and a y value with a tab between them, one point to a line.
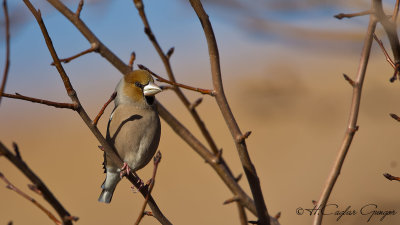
125	170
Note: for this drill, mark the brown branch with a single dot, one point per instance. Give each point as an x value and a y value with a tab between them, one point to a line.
173	83
132	60
62	105
390	177
29	198
394	116
7	63
96	120
157	159
79	9
352	123
384	51
93	48
348	79
72	94
242	214
248	167
351	15
165	59
46	193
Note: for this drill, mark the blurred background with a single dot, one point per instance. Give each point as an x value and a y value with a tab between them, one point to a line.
282	64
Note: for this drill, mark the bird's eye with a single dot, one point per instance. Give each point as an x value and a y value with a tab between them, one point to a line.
139	85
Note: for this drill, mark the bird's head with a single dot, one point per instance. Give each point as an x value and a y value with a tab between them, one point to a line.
138	86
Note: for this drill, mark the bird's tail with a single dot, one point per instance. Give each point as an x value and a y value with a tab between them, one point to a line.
109	186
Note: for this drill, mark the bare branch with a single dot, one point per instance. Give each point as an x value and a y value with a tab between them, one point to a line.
170	52
233	199
79	9
195	103
384	51
157	159
394	116
352	124
390	177
96	120
132	60
61	105
159	78
348	79
248	167
242	214
351	15
46	193
7	63
93	48
29	198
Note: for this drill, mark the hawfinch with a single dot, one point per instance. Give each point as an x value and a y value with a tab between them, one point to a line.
134	128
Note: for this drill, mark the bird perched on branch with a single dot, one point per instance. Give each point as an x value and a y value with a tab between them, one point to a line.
134	128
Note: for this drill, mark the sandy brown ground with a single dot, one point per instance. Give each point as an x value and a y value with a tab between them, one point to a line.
297	112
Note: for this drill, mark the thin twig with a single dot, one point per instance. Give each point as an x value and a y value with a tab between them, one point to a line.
7	63
241	147
384	51
46	193
79	9
62	105
165	58
96	120
351	15
390	177
159	78
93	48
157	159
352	123
29	198
394	116
132	60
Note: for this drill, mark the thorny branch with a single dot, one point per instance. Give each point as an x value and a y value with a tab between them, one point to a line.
29	198
352	123
7	63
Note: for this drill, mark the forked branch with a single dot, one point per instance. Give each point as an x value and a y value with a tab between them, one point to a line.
352	124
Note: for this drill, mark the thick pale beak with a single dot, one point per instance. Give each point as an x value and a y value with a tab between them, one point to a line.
151	89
